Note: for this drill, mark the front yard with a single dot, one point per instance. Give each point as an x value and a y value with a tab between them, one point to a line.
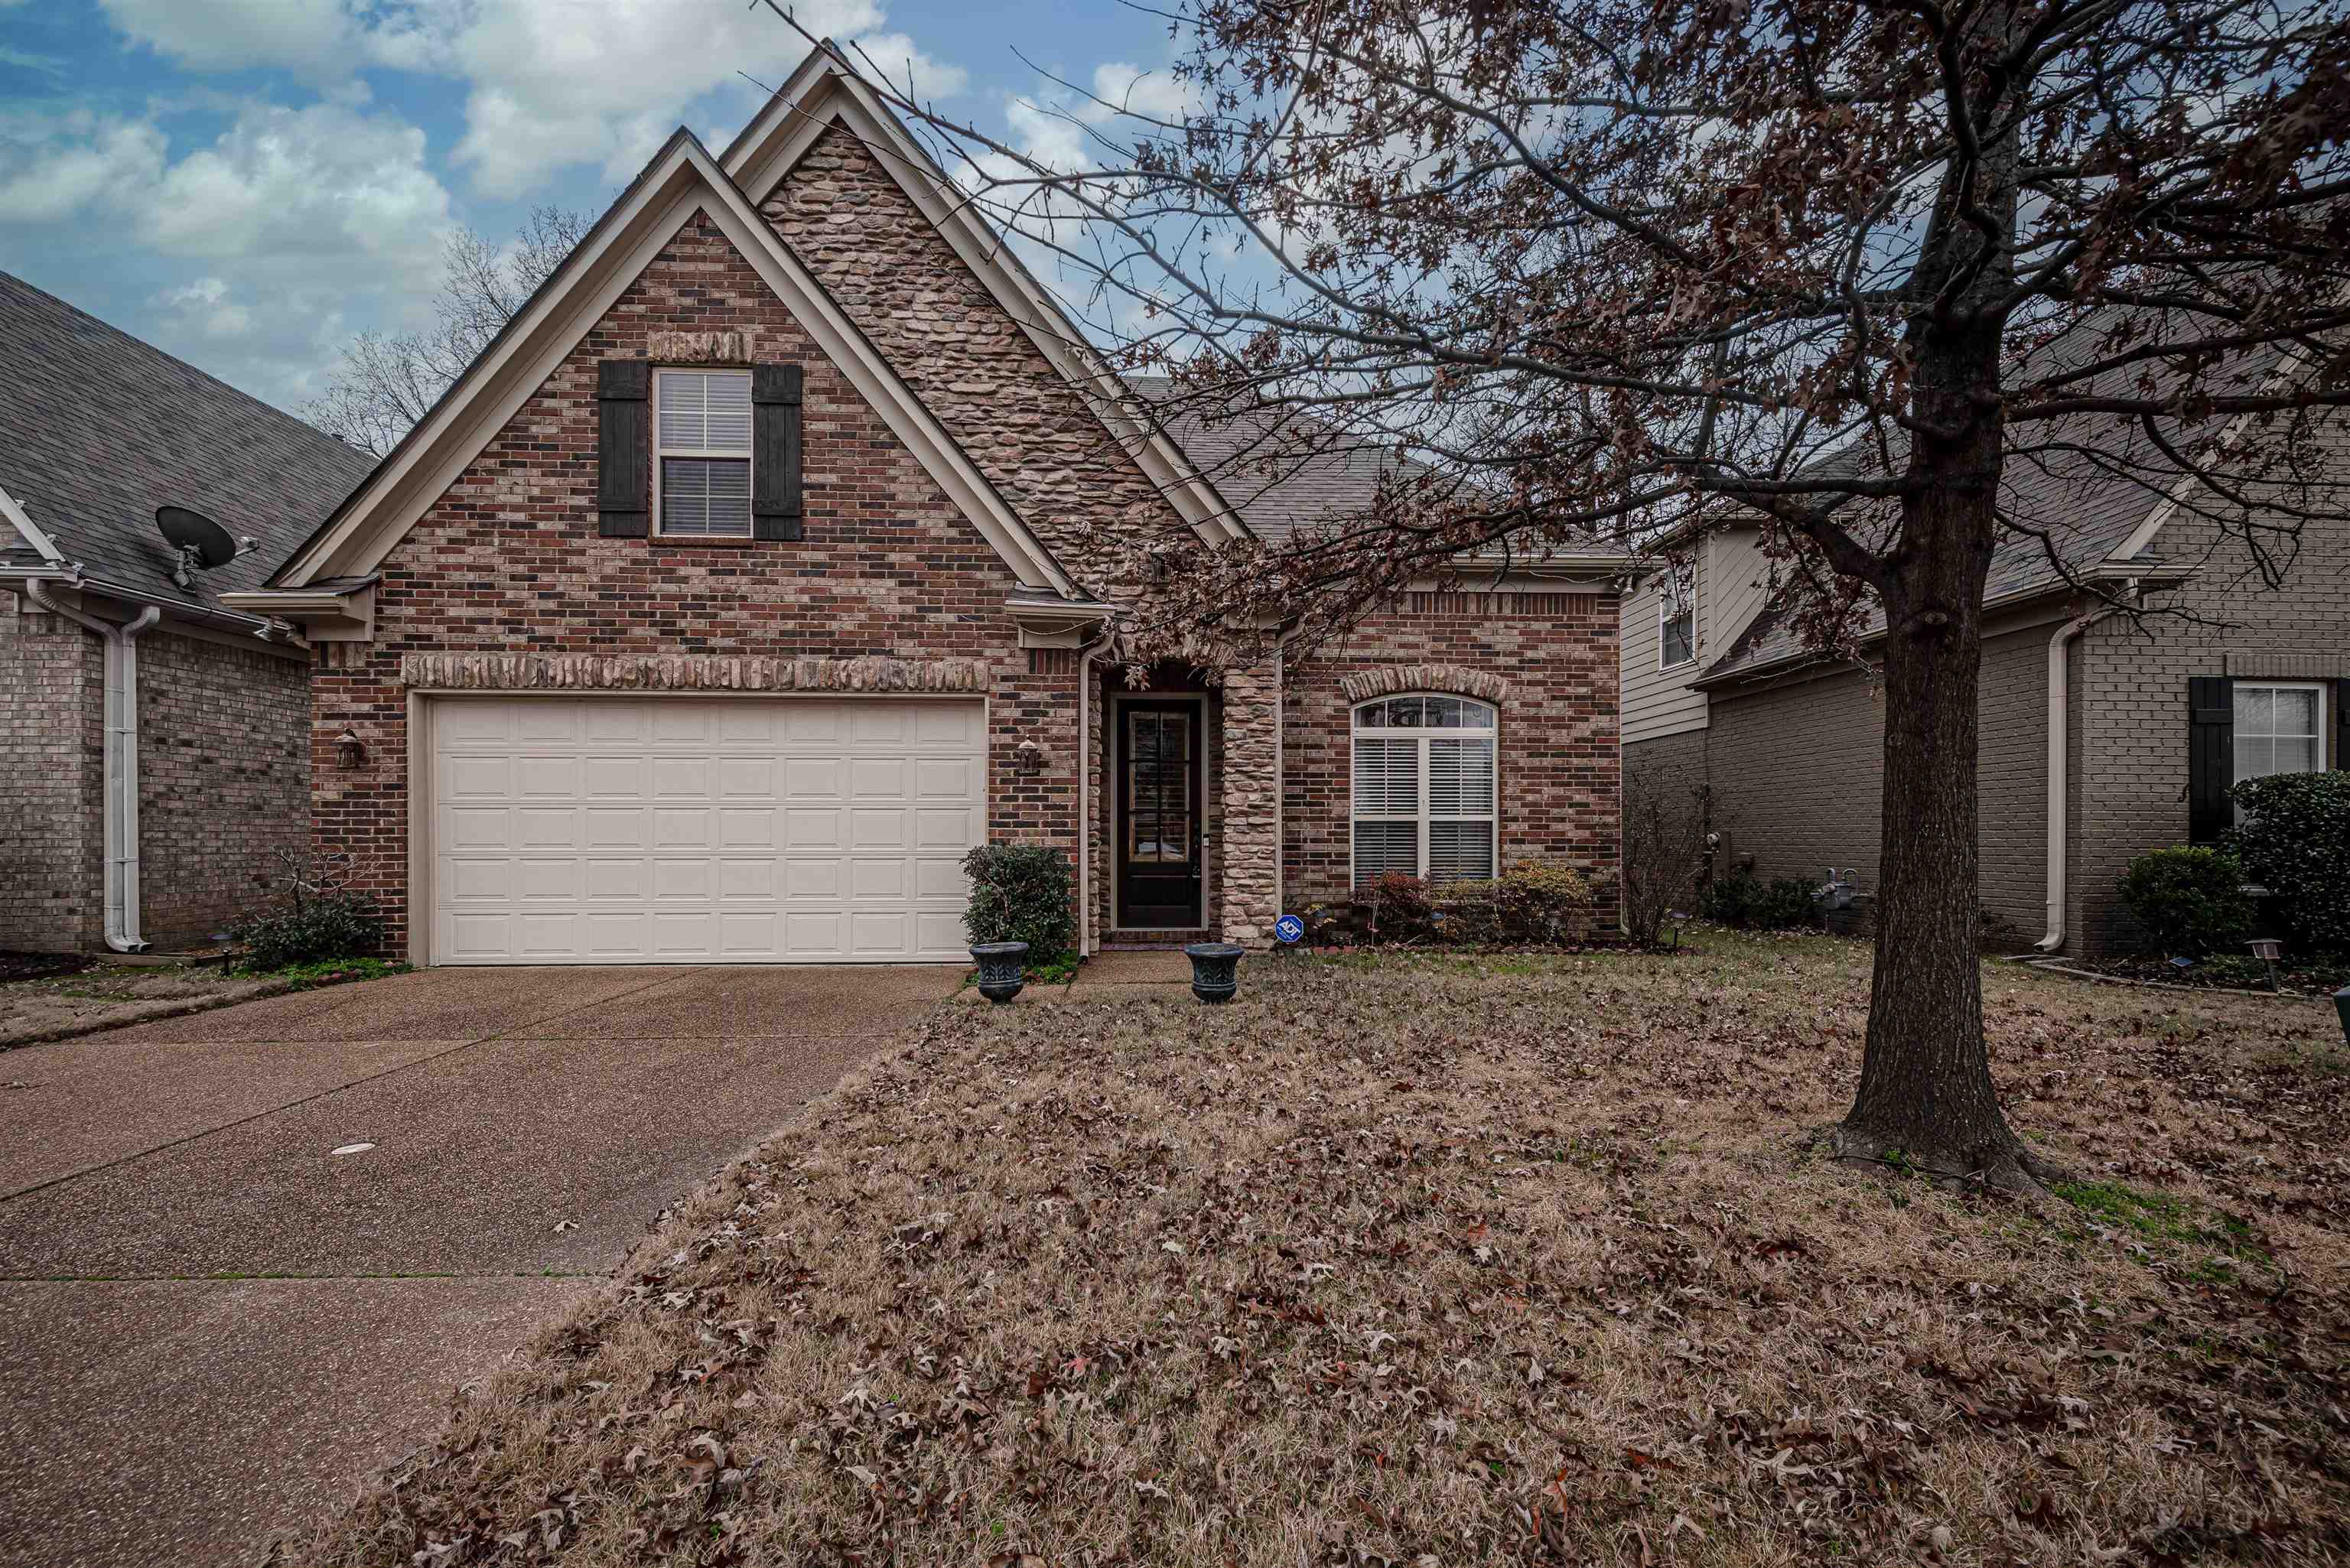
1431	1260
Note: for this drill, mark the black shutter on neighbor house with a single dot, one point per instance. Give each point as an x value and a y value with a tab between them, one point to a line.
775	510
2341	757
2211	756
624	482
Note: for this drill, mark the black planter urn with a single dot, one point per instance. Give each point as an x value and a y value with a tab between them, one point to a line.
1215	970
1002	968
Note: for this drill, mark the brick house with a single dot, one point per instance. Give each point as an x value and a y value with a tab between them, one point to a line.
764	565
2100	738
154	742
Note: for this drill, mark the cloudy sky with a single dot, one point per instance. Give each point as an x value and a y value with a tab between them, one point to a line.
249	183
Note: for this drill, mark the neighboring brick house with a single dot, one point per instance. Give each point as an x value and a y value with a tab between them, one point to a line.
202	724
1718	689
765	562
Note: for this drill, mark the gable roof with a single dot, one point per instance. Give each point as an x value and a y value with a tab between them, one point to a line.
1274	490
100	428
826	87
680	178
2108	517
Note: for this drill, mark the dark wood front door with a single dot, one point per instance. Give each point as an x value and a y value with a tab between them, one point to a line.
1158	791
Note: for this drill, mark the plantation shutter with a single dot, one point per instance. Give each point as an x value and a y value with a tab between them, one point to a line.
1459	786
623	449
2211	756
775	508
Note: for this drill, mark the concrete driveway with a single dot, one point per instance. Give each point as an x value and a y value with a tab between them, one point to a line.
211	1325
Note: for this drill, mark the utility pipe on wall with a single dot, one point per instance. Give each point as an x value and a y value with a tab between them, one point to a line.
121	765
2059	724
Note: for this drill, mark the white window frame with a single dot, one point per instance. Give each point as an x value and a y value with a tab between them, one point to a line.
2319	760
1424	816
1675	598
661	452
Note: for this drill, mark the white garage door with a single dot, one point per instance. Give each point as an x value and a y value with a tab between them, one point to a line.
692	830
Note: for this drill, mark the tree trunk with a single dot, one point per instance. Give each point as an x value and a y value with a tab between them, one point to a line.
1926	1095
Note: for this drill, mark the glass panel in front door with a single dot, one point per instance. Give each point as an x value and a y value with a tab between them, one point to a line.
1159	787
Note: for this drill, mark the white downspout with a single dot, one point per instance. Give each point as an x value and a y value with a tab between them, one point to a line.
120	766
2059	723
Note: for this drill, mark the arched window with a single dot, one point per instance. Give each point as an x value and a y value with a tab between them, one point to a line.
1424	788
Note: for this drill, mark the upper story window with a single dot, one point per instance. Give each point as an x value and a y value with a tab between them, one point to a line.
702	458
1424	788
1676	618
2279	728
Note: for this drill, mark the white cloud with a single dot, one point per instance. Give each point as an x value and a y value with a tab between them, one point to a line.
305	224
896	56
313	36
205	306
550	84
1156	95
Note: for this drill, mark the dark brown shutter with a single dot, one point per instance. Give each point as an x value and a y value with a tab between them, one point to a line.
624	448
2211	756
776	511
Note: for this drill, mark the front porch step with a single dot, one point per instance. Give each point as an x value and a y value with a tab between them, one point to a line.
1115	941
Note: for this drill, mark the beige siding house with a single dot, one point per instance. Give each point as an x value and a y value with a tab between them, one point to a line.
2102	736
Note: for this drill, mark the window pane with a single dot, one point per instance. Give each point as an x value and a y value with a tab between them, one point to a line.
1459	777
2296	710
1384	847
2256	709
1459	851
1386	777
1403	713
707	411
1475	715
706	497
2294	755
1371	716
1680	634
1443	713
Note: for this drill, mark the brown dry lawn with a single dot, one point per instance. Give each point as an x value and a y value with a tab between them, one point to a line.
1431	1262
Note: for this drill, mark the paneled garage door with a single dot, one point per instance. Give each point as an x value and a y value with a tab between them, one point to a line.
693	830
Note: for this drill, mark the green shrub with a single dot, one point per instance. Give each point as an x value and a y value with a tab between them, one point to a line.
2295	842
1742	898
2189	898
1019	893
1532	904
316	927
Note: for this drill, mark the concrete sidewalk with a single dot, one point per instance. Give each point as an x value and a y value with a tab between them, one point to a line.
216	1324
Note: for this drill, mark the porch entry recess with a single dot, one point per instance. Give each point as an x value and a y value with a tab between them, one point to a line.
1159	826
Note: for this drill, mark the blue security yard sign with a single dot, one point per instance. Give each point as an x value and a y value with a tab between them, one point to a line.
1289	928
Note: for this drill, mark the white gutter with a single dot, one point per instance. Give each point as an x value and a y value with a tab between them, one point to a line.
121	761
2059	732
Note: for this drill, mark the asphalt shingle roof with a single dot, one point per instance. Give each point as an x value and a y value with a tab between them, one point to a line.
2088	510
1245	457
98	429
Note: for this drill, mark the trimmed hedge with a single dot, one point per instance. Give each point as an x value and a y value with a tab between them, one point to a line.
1742	898
2190	898
1020	893
1528	904
316	926
2295	842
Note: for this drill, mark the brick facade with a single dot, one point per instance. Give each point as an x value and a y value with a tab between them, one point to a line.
1560	780
223	781
506	582
1797	774
52	728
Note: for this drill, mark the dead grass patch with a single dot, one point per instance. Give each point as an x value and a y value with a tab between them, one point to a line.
1411	1262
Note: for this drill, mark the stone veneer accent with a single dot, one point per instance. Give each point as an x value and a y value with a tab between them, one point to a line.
1388	680
687	672
1249	845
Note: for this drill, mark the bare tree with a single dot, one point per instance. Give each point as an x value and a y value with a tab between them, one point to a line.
1897	278
1665	815
385	382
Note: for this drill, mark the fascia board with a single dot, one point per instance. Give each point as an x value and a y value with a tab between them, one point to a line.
13	511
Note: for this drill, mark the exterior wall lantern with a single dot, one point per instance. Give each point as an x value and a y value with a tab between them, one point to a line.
350	751
1029	757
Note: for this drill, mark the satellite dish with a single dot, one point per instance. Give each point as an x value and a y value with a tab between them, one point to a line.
202	543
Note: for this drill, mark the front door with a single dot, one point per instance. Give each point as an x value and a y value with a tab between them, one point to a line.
1158	815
